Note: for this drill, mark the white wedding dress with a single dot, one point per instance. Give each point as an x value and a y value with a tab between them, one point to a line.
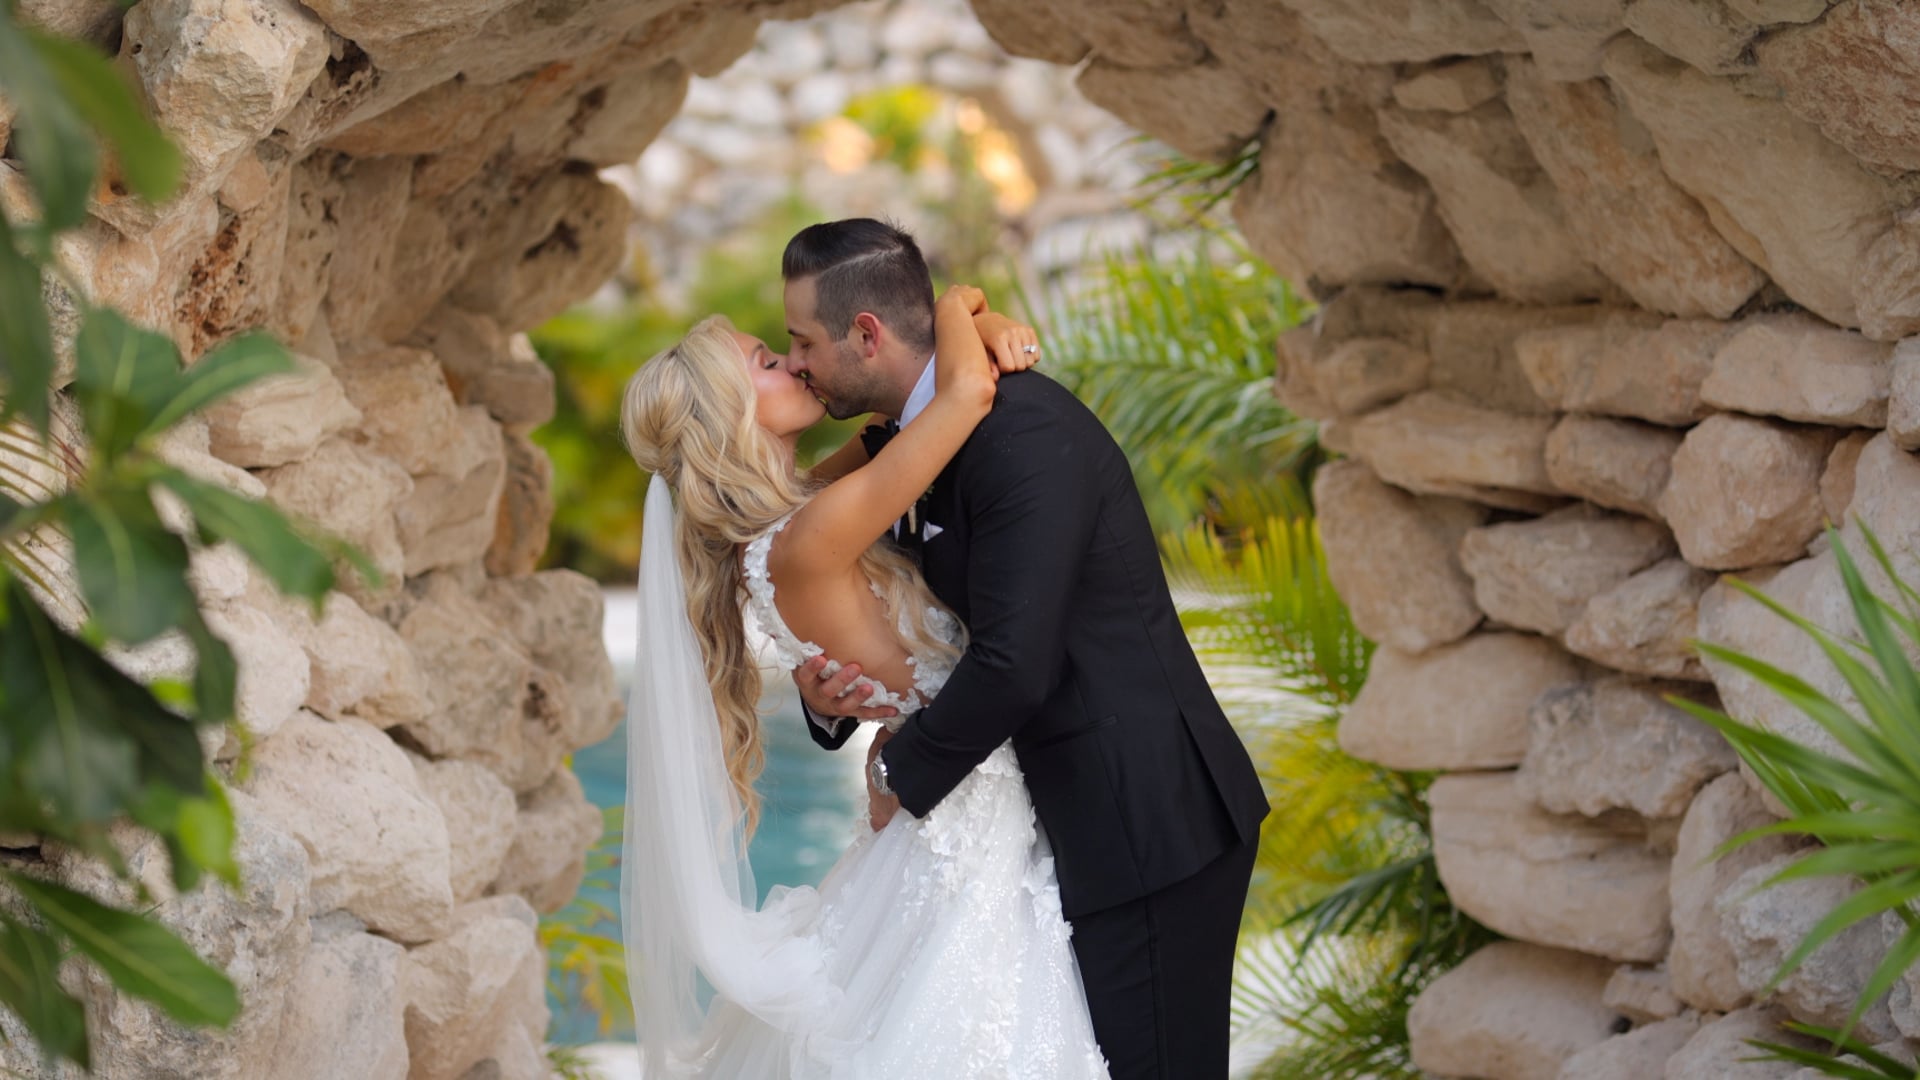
943	935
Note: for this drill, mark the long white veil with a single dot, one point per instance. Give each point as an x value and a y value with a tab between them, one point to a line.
687	895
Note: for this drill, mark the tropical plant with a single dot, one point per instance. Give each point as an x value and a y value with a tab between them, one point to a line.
568	1063
1867	1063
586	960
1175	354
1347	919
83	746
1864	807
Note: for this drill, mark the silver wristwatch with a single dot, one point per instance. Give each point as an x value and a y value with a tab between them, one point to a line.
877	775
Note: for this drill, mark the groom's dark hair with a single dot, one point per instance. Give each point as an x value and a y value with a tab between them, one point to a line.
860	264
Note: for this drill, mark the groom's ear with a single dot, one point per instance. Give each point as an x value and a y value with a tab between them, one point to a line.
866	331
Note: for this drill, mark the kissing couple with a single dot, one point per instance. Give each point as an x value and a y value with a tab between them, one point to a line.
1061	897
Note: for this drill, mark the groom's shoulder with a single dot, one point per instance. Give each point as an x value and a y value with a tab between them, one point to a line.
1027	397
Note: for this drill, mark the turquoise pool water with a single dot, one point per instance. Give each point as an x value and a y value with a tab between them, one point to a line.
810	799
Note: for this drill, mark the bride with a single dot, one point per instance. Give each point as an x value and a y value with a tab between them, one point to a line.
935	948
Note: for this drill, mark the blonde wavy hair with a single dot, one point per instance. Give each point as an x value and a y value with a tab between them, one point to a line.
688	419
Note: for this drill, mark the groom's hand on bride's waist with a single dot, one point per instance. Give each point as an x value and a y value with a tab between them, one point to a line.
880	808
831	697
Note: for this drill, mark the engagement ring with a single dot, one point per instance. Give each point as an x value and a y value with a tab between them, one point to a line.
1030	349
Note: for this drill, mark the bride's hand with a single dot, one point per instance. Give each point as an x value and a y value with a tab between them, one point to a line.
958	373
1014	346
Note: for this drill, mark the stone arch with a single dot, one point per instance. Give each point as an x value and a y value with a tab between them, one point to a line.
1611	292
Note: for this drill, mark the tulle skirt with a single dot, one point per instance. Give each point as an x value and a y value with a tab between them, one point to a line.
946	938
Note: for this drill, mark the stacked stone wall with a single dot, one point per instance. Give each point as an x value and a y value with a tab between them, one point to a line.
1615	299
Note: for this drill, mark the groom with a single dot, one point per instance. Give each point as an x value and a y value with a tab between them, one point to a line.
1036	537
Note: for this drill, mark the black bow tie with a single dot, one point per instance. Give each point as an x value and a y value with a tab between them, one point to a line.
876	436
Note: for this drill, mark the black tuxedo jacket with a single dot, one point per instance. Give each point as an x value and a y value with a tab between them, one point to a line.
1041	546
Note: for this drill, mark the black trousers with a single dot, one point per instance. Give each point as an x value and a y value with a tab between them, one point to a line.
1159	973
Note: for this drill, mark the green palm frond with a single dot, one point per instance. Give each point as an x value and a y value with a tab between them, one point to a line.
1337	1011
1176	357
1862	1062
1865	807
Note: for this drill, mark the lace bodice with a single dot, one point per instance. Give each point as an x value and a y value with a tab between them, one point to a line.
930	667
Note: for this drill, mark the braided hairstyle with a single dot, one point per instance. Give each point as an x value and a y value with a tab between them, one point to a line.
688	419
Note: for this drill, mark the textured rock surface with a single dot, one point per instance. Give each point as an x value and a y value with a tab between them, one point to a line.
1651	238
1628	366
1539	575
1764	923
1617	744
1703	966
378	846
1619	464
1599	887
1746	492
1799	368
1458	706
1434	445
1511	1010
1646	624
1393	556
1636	1055
1720	1051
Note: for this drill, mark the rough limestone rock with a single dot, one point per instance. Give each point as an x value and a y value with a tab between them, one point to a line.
453	512
1500	206
1565	36
1616	744
1711	36
1703	966
486	366
479	809
1207	109
1642	994
1764	923
1746	492
556	616
1331	205
219	75
1903	411
551	834
360	667
1636	1055
491	703
1626	365
257	935
1432	444
1632	223
1799	368
1598	887
1393	558
1904	1000
476	996
1456	87
1645	624
1721	1051
273	677
1887	284
1800	207
1843	465
378	845
1728	618
1511	1011
1618	464
526	510
1458	706
348	1023
408	411
1539	575
1474	356
352	495
280	419
1855	76
1347	378
1406	29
